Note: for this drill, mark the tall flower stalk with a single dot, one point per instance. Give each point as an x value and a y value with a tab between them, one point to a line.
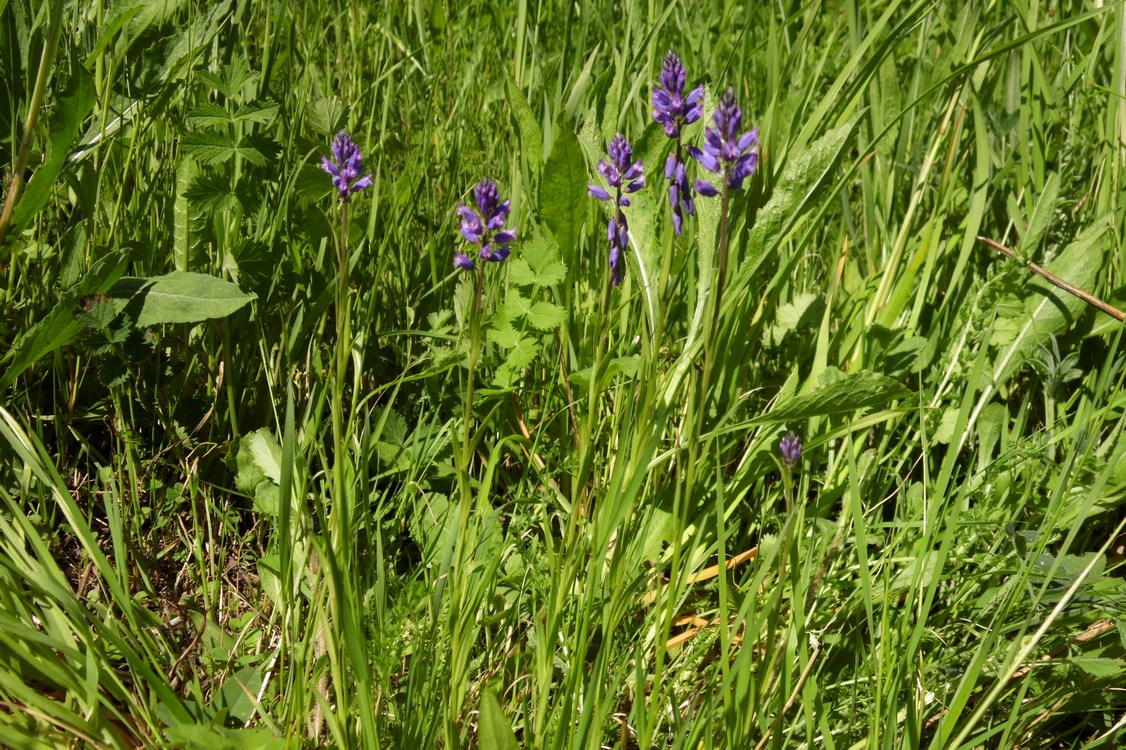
348	177
483	228
346	167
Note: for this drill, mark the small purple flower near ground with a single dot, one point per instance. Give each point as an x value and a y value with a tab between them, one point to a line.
484	227
726	153
346	167
790	448
625	176
674	110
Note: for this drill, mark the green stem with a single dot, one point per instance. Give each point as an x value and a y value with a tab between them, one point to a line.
46	62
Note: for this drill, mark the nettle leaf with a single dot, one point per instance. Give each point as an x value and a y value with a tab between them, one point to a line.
231	78
324	115
839	394
1026	321
803	179
563	194
212	192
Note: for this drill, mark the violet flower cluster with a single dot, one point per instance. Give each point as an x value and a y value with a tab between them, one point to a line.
485	226
790	448
727	153
346	167
625	176
673	109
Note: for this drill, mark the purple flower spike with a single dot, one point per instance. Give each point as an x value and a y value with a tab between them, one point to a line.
346	167
671	107
674	110
625	176
725	152
790	448
620	173
485	226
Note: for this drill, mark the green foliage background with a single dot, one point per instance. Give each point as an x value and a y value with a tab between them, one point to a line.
626	562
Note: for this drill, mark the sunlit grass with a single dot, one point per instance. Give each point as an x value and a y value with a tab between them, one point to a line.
270	483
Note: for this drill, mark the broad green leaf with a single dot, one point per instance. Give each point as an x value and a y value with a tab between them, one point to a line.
1043	309
186	297
324	116
804	177
563	194
531	135
1041	217
790	316
494	731
240	693
259	458
839	395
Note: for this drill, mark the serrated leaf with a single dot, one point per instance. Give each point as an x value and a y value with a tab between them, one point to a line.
528	128
839	395
545	316
503	334
542	258
186	297
324	115
563	192
209	115
1045	310
519	357
218	148
211	192
803	179
515	306
258	459
261	112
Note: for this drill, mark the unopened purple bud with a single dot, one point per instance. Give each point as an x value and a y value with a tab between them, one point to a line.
790	448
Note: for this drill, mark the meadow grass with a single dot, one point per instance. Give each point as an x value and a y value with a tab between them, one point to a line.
275	473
